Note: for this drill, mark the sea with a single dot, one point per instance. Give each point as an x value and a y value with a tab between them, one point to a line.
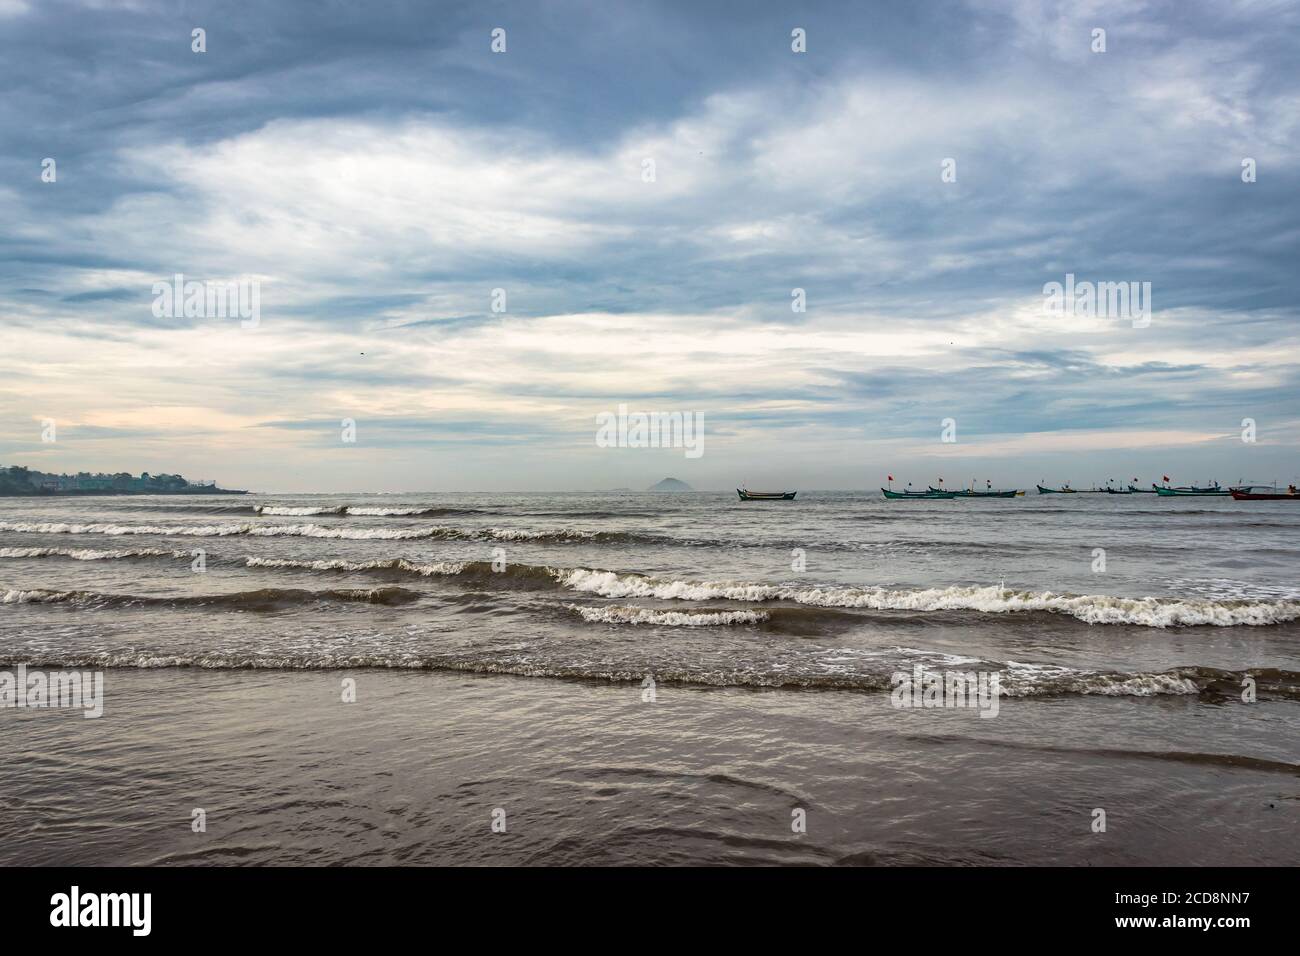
654	678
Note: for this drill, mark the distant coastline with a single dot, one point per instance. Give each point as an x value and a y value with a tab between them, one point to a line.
17	481
109	492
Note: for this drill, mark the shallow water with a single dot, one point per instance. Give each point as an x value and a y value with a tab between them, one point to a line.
590	773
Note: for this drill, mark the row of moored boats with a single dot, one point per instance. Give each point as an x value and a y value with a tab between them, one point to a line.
1240	492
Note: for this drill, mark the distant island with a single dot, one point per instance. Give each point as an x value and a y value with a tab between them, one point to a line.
670	484
17	480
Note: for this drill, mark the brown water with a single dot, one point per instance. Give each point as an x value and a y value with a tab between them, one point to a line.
590	773
521	689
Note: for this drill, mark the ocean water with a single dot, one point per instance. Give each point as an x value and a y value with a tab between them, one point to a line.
514	637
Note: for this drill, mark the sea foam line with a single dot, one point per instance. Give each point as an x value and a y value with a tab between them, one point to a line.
1090	608
399	511
318	531
380	564
646	615
90	554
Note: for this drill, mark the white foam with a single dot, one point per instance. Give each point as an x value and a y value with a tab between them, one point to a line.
353	534
226	530
401	564
645	615
1024	680
520	534
305	531
1090	608
34	596
89	554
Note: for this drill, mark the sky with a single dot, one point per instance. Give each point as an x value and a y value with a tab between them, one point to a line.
470	254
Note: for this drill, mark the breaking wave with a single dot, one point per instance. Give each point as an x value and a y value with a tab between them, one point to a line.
562	535
645	615
262	599
1089	608
1158	612
370	511
360	567
90	554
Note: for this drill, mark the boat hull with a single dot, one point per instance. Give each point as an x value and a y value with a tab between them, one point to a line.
1055	491
1264	496
977	494
917	495
766	495
1192	493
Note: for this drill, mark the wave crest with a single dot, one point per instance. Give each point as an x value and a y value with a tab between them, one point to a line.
91	554
262	599
1089	608
561	535
646	615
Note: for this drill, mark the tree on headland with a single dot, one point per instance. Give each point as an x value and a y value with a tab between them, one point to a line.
20	480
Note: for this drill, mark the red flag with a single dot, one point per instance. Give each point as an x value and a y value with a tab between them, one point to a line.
891	477
1166	477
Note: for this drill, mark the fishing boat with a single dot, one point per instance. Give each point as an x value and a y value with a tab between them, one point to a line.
932	495
1063	490
746	495
1248	494
1134	489
1119	491
1193	492
972	493
988	492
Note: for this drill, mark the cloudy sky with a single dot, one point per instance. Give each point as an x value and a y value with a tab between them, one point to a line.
378	170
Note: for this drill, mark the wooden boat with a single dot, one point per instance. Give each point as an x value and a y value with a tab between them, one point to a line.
1119	491
1142	491
971	493
932	495
1247	494
746	495
1056	491
1193	492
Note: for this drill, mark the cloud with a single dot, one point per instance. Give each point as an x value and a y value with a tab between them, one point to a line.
380	178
